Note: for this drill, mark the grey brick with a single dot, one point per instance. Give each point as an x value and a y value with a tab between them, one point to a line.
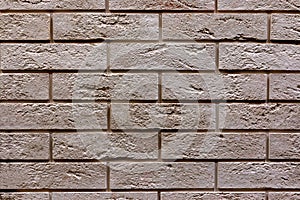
102	86
53	116
24	86
284	146
285	27
25	27
213	86
52	176
259	57
213	146
53	57
161	175
284	196
105	146
258	5
215	26
24	196
259	175
165	116
162	56
83	26
259	116
285	86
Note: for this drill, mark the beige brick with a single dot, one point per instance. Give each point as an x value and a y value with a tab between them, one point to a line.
258	5
284	146
161	5
165	116
102	86
52	176
285	86
25	27
161	175
259	116
23	146
24	86
259	57
259	175
213	146
24	196
53	116
105	146
83	26
53	57
215	26
162	56
213	86
285	27
284	196
105	196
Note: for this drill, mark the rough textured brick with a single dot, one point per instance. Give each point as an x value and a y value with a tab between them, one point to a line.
105	146
25	27
84	26
165	116
22	146
213	146
284	196
52	176
105	196
259	116
213	86
24	196
53	56
284	146
285	86
259	175
102	86
259	57
211	195
53	4
161	5
53	116
285	27
259	5
163	56
24	86
215	27
161	175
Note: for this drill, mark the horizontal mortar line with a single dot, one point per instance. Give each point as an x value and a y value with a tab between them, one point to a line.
213	160
52	190
165	190
267	11
257	189
11	130
284	160
225	71
105	160
261	130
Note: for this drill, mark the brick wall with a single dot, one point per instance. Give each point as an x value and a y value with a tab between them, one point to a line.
149	99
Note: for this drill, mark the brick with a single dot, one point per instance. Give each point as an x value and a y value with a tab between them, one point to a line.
52	176
24	196
212	195
53	116
259	116
259	175
215	26
284	146
285	86
213	86
83	26
259	56
162	56
53	57
25	27
22	146
161	5
52	5
105	196
258	5
103	86
213	146
24	86
285	27
284	196
105	146
161	175
164	116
